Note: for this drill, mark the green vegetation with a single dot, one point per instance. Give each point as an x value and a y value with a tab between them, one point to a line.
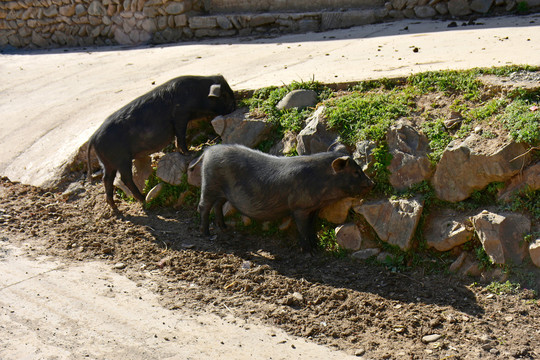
170	194
327	239
368	109
528	201
264	101
449	82
522	122
439	138
361	116
506	288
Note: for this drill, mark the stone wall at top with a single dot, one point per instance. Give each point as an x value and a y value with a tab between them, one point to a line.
79	23
227	6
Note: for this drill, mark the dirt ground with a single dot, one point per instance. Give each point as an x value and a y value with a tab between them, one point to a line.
361	308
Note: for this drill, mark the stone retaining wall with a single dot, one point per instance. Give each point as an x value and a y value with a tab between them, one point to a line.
71	23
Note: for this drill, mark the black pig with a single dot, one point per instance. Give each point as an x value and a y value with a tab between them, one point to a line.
267	187
150	122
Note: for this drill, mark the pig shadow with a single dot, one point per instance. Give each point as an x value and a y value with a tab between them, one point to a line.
179	230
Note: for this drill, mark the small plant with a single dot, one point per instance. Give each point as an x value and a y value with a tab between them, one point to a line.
522	122
487	196
483	258
264	102
328	241
506	288
447	81
522	7
487	110
380	173
171	193
366	116
438	137
527	200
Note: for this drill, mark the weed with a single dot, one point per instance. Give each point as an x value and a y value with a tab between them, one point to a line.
171	193
447	81
379	170
483	258
526	200
522	122
522	7
327	239
506	288
487	110
506	70
264	102
366	116
487	196
438	137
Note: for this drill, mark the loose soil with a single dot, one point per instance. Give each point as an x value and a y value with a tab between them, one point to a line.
362	308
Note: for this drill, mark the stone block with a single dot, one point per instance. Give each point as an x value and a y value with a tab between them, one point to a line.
348	236
502	235
202	22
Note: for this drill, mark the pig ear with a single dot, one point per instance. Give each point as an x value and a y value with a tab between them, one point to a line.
215	90
340	163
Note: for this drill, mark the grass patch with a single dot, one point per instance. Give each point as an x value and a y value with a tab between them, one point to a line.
449	82
527	200
506	288
264	101
522	122
360	116
439	138
327	239
170	194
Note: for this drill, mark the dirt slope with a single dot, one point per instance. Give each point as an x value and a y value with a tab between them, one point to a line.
357	307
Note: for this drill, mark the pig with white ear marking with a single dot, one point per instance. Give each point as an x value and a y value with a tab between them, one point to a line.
150	122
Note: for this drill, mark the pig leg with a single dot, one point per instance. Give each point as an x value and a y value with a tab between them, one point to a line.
180	127
204	208
108	180
218	211
305	221
127	179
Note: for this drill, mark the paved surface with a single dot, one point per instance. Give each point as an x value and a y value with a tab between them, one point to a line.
51	309
52	101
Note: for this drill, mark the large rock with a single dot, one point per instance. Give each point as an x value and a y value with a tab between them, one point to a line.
394	221
466	265
298	99
466	167
459	7
410	164
528	179
172	167
284	146
481	6
337	212
239	128
446	231
363	155
315	137
502	235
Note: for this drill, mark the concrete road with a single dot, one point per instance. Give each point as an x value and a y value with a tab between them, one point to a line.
52	101
53	309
